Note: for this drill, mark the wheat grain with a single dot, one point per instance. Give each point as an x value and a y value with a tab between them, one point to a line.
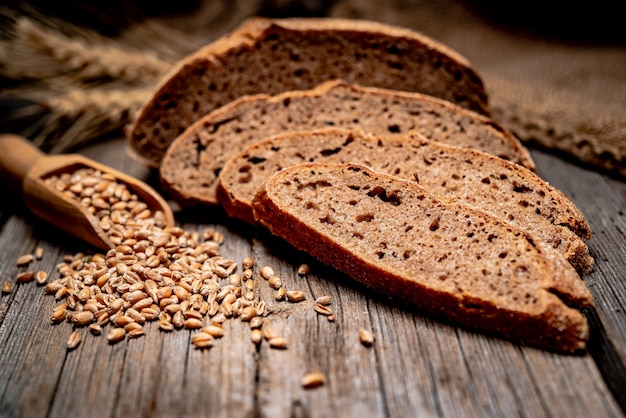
366	337
303	270
6	287
322	309
313	380
73	340
295	296
116	335
24	260
278	342
267	272
25	276
95	329
256	336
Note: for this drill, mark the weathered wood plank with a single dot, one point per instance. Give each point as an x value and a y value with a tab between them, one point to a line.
603	201
33	352
315	344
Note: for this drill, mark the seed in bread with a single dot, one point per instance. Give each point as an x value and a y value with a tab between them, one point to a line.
191	166
504	189
448	259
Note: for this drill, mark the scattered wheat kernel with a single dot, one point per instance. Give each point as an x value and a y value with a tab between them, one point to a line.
178	320
275	282
366	337
256	336
95	329
323	300
278	342
331	318
260	308
280	294
58	315
248	313
6	287
138	332
193	323
80	319
247	263
295	296
41	277
39	253
116	335
166	326
247	274
53	287
25	276
267	272
256	322
193	314
202	340
214	331
122	320
73	340
322	309
207	234
249	285
218	237
304	269
234	279
132	326
25	260
313	380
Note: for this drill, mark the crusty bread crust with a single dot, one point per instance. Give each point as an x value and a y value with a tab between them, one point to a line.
502	188
276	55
449	260
190	168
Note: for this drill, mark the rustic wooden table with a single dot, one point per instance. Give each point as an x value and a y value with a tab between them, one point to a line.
416	367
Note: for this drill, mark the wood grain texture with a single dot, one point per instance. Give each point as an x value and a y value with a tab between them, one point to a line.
416	366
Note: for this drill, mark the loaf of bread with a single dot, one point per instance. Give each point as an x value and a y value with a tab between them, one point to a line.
272	56
448	259
504	189
191	166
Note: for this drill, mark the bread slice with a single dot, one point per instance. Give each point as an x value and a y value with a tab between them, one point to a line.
504	189
448	259
276	55
191	166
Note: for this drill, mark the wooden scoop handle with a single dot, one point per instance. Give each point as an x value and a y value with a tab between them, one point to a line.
17	156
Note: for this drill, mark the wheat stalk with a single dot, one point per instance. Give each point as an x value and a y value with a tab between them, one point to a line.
88	114
84	85
36	52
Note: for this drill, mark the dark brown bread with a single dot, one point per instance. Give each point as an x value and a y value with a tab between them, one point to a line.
191	166
504	189
448	259
273	56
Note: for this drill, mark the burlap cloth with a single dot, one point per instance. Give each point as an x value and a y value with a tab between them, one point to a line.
556	77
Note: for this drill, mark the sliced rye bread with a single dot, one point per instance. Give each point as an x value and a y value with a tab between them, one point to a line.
504	189
447	259
276	55
191	166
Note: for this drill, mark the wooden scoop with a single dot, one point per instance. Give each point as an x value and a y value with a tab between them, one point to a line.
25	167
